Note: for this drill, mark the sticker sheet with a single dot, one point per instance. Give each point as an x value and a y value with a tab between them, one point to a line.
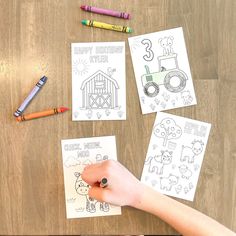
76	154
162	71
98	81
175	154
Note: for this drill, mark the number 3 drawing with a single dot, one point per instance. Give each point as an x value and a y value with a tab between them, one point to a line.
150	55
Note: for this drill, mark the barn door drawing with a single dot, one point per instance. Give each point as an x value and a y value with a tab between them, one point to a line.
100	91
100	101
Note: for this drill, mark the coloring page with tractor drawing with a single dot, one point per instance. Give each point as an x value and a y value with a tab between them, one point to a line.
162	71
175	154
98	81
76	154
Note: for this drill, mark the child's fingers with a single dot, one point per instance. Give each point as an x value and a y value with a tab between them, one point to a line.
91	178
99	194
93	174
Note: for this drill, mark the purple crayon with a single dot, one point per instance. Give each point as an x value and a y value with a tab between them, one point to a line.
107	12
32	94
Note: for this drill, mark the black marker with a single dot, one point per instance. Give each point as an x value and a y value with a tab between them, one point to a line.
103	183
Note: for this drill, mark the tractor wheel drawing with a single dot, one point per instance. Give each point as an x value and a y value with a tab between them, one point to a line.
175	88
151	89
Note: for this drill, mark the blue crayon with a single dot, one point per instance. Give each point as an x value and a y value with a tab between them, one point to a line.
32	94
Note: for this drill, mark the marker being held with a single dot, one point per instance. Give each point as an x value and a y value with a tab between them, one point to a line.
107	12
116	184
104	183
126	190
30	97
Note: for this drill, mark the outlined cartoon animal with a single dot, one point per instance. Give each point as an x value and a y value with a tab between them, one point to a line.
110	71
166	43
190	185
166	96
89	114
173	102
166	183
99	115
76	114
186	190
107	112
82	188
157	101
163	105
156	163
100	158
178	189
185	172
187	98
142	99
152	106
191	152
120	113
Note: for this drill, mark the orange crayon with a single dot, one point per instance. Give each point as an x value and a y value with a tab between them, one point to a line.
40	114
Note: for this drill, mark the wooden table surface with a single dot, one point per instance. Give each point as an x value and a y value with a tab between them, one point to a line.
35	40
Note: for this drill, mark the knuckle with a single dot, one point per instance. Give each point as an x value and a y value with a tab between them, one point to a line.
90	191
109	163
104	196
107	171
108	168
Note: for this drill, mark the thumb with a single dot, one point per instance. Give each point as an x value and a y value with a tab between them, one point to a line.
99	193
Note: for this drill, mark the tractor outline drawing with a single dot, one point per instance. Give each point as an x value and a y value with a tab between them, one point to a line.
152	81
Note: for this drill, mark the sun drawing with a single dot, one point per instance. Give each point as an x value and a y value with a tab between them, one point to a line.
80	67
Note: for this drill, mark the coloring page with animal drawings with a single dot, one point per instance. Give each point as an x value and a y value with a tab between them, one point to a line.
76	154
175	154
162	71
98	81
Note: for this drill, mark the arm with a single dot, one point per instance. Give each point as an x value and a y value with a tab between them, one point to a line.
124	189
184	219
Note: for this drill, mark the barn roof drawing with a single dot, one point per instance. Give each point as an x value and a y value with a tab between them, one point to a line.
102	73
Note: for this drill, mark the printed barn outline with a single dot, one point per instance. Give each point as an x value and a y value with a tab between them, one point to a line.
99	91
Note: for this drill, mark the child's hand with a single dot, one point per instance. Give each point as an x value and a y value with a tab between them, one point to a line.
123	188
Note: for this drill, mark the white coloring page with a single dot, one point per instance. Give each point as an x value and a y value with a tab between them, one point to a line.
162	71
175	155
76	154
98	81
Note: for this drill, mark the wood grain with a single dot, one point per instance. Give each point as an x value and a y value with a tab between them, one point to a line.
35	40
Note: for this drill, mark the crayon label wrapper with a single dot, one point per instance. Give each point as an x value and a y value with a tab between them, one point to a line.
108	26
28	99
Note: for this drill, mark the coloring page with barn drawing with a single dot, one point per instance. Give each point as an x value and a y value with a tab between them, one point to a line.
175	154
98	81
162	71
76	154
